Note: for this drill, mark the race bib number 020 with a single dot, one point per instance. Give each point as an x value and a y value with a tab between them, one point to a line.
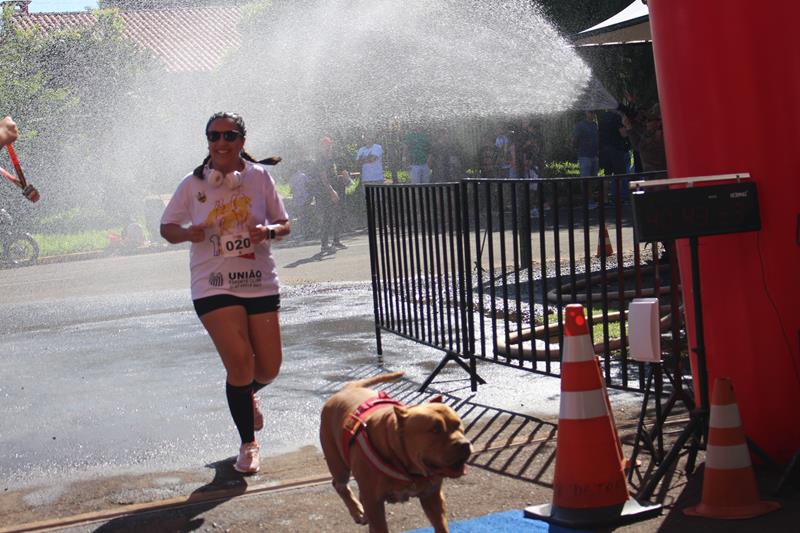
236	245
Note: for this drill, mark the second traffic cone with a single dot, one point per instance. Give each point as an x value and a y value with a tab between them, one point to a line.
604	243
729	484
589	485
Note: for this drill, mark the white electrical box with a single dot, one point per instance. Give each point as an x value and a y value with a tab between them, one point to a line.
644	335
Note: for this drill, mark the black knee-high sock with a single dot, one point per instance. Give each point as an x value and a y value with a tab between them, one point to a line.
258	386
240	402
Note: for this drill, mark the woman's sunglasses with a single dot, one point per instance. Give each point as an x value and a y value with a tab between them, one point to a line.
230	136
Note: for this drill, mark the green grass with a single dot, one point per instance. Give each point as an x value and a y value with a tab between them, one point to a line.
613	325
284	189
613	328
84	241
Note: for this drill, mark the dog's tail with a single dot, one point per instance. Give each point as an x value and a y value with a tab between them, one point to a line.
380	378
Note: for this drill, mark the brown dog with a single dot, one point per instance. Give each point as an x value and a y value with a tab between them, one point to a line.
393	451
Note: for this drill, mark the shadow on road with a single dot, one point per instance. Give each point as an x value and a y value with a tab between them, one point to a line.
226	485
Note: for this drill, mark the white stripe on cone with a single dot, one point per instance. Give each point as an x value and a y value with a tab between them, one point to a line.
581	405
727	457
577	349
725	416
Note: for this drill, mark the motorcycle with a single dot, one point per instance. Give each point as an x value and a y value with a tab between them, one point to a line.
17	248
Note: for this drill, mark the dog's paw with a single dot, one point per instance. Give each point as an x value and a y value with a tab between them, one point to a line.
361	519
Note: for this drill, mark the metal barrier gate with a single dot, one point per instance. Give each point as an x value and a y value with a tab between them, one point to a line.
482	270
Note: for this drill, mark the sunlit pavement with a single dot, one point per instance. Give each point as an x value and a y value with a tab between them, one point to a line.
108	369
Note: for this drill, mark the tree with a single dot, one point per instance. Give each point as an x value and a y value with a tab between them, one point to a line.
627	69
66	89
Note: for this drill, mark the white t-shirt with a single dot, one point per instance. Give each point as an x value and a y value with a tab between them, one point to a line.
227	214
301	192
371	172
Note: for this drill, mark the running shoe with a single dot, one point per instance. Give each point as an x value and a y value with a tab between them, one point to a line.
258	416
339	245
248	461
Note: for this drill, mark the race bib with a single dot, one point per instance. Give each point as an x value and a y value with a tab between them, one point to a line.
236	245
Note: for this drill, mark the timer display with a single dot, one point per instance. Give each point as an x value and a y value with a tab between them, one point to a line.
666	214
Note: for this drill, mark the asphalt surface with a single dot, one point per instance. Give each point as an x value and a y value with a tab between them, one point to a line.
113	406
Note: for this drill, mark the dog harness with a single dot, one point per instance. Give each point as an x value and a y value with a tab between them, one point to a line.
356	431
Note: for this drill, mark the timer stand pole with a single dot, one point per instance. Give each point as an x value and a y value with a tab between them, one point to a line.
696	431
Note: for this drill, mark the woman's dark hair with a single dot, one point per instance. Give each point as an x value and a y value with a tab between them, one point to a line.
233	117
239	121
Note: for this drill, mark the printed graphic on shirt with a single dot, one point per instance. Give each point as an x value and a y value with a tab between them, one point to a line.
230	220
214	240
245	280
215	279
201	197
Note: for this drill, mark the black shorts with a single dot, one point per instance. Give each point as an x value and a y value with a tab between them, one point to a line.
253	306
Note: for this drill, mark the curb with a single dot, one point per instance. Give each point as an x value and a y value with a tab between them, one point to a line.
97	254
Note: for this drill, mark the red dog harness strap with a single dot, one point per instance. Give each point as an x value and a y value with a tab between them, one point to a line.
356	431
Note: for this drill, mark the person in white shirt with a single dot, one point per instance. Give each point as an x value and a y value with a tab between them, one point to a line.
370	157
230	211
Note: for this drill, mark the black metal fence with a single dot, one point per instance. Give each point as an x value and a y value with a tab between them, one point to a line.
482	270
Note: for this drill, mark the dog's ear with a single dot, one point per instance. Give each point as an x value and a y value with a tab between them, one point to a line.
436	399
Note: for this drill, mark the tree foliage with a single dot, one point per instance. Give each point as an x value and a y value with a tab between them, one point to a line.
623	70
64	88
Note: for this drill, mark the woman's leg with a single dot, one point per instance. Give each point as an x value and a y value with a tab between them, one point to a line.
228	328
265	338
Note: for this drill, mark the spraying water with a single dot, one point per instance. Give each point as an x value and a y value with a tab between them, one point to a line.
374	62
307	67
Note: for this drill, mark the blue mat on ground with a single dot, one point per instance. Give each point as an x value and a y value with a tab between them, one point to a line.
505	522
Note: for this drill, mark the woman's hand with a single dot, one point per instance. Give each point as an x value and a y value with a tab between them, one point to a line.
261	232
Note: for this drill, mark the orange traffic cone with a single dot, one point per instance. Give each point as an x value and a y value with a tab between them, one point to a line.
604	243
589	486
729	484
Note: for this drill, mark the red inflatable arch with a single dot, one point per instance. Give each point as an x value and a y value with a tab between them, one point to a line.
729	82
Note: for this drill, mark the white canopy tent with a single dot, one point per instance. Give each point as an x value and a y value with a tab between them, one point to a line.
629	26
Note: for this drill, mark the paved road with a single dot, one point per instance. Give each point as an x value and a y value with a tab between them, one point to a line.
107	369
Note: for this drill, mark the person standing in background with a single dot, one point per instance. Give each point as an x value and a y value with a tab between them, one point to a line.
586	141
505	153
614	148
647	137
370	157
330	189
418	153
445	159
614	151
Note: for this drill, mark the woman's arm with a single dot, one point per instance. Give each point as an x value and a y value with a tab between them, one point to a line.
174	233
